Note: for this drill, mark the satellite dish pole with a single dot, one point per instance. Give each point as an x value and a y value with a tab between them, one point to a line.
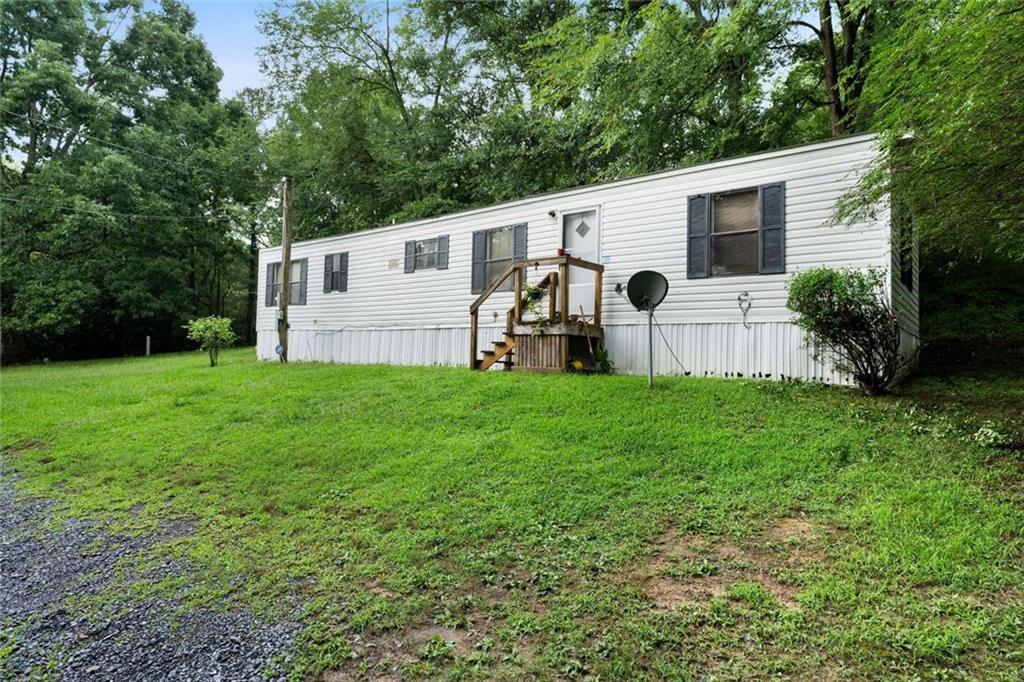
650	346
646	290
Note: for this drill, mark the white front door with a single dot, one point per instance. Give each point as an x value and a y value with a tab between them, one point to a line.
581	238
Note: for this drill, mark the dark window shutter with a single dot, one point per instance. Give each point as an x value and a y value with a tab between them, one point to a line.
269	289
303	271
519	242
479	254
442	252
773	229
410	256
343	285
698	225
328	270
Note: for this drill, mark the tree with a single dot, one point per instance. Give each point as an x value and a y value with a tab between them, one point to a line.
947	88
115	208
213	334
663	83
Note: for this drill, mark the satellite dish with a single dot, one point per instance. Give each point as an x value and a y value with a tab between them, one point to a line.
646	290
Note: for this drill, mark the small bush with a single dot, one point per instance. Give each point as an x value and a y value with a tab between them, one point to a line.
847	315
212	334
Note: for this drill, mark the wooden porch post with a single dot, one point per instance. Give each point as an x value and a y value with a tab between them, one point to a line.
563	291
519	295
472	338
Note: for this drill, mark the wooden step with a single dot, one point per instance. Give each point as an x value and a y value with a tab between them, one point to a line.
501	349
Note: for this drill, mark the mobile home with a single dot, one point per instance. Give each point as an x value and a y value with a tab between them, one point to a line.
727	235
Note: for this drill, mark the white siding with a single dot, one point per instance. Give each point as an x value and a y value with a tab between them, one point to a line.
393	317
905	303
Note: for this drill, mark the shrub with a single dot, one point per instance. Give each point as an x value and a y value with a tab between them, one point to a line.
848	317
212	334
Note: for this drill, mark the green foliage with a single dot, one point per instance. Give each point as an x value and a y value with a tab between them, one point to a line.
380	499
124	180
603	360
947	84
847	314
972	300
213	334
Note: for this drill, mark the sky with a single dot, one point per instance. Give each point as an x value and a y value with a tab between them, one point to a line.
229	29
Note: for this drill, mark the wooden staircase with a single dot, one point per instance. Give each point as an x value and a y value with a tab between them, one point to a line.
501	349
558	336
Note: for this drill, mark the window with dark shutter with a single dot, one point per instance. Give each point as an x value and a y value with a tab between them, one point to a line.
493	251
739	232
426	254
336	272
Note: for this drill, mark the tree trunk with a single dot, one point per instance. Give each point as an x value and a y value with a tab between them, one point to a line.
836	110
250	311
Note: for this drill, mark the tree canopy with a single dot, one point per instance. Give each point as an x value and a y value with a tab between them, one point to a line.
125	179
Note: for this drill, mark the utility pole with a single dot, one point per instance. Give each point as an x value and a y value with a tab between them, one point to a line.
286	265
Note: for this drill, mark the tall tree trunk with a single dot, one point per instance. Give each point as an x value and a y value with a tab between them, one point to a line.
250	309
836	110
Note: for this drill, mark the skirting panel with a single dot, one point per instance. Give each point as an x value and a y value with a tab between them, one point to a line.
773	350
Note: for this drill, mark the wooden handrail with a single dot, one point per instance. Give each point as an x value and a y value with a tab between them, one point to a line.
511	268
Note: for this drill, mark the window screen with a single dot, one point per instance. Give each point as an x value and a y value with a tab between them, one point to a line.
734	227
294	291
499	253
274	284
334	277
426	254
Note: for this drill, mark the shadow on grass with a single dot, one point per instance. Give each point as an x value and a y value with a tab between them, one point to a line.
984	381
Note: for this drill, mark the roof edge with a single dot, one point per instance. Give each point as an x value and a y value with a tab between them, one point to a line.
569	191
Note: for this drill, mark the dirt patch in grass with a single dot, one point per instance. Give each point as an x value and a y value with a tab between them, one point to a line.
21	446
459	642
382	656
691	570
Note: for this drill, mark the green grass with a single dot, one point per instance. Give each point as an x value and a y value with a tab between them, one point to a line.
555	525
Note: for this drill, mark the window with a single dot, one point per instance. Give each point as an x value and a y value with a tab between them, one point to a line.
903	242
498	255
735	223
493	251
336	272
426	254
273	283
297	290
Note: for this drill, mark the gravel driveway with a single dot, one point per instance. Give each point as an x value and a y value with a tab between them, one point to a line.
47	569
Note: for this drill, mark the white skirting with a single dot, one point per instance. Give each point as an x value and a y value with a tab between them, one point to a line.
771	350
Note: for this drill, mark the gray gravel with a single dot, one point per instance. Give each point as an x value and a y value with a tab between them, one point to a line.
45	570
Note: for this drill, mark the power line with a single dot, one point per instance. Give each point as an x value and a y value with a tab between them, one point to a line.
148	216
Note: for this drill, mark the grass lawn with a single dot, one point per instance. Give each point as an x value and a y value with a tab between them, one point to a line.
506	525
